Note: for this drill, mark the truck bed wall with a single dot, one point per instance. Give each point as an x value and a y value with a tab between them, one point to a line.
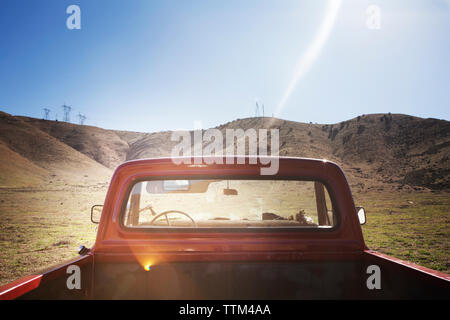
344	279
224	280
228	280
405	280
53	283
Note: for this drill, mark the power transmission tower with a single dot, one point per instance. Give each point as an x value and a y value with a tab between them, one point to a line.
67	110
47	113
82	117
257	109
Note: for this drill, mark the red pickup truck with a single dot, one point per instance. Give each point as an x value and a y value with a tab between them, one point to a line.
224	231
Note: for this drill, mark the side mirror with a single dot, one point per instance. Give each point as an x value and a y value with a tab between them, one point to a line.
361	215
96	213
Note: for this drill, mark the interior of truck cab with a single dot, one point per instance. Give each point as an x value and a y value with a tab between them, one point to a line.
218	203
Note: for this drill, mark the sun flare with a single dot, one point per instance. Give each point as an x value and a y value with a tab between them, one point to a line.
307	59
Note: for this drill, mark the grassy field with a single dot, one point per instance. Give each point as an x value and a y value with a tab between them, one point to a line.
39	228
411	226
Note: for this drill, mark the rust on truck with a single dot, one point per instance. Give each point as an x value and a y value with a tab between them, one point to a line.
273	256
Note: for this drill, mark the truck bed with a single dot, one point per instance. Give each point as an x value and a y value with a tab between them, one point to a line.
301	278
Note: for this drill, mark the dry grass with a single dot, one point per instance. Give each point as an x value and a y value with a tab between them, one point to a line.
42	227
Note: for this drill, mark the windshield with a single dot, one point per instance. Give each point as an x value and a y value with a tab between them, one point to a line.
229	204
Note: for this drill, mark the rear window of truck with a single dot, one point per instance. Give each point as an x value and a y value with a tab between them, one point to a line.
156	204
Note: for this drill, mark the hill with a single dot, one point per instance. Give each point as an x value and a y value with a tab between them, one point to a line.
377	151
30	157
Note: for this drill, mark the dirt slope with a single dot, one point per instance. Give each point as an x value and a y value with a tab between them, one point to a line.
377	151
17	171
396	148
31	156
101	145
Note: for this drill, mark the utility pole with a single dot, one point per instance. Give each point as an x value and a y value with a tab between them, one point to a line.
47	113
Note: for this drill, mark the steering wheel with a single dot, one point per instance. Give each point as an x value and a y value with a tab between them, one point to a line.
167	219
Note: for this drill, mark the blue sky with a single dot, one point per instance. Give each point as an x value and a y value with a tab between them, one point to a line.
157	65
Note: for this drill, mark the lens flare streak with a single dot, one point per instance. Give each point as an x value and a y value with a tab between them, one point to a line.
307	59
